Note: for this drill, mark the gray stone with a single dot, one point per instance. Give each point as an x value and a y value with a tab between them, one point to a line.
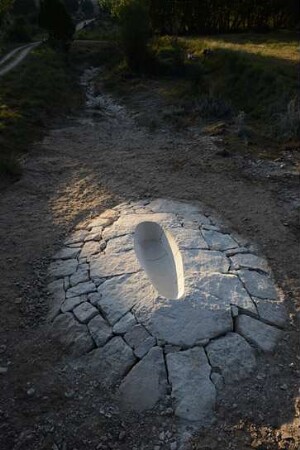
146	383
219	241
203	261
67	253
66	283
105	265
120	294
140	340
124	324
194	392
218	380
94	298
228	288
120	244
189	239
96	236
74	337
100	330
100	222
80	289
236	251
111	362
272	312
80	276
71	303
85	312
234	311
77	236
62	268
57	291
89	248
257	284
185	322
195	221
249	261
233	356
263	336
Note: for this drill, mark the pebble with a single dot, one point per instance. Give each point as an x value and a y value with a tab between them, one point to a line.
283	387
3	370
30	392
173	446
122	435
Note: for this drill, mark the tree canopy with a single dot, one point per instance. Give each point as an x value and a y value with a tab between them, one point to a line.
215	16
54	18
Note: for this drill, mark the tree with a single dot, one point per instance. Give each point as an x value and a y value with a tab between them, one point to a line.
54	18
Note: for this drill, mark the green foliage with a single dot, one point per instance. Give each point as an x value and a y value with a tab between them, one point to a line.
54	18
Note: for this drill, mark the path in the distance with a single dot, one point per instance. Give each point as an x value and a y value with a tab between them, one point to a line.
15	57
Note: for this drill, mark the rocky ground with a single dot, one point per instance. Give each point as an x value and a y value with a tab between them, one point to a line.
86	165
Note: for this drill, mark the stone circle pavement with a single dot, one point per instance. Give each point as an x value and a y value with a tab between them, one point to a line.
108	315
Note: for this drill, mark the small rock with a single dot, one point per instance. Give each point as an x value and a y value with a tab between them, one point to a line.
173	446
283	387
31	392
3	370
3	348
122	435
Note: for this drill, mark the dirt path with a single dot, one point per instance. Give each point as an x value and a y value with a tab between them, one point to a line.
86	165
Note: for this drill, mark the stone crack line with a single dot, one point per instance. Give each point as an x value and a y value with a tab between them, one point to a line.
107	314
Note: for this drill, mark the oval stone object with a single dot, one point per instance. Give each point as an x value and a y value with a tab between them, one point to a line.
160	257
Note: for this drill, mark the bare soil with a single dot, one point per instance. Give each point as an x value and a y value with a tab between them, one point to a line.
93	161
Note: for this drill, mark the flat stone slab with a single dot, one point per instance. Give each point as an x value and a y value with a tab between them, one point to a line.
139	340
111	362
258	284
185	322
192	389
73	336
219	241
62	268
223	304
261	335
100	330
249	261
105	265
228	289
233	356
120	294
146	383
